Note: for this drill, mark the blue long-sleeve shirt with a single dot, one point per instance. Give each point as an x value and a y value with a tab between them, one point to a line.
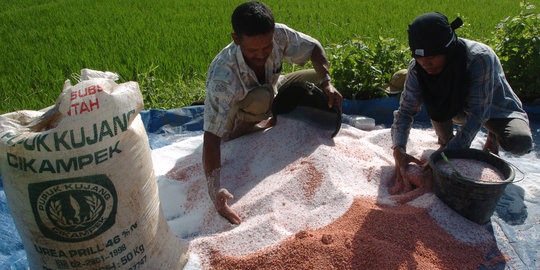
490	96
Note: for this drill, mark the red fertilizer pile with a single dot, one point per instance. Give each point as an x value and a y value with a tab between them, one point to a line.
369	236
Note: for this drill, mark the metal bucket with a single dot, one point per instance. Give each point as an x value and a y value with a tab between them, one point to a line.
474	200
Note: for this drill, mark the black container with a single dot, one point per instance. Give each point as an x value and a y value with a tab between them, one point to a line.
314	102
474	200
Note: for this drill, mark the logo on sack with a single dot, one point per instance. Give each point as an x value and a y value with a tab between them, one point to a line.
74	209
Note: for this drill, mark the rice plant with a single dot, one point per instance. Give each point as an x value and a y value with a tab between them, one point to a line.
43	42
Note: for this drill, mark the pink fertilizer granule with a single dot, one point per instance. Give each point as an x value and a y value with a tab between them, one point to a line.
472	169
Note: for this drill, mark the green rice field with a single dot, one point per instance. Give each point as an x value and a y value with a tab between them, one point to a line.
167	45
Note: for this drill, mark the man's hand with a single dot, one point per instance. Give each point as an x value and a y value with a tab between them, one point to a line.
212	167
220	203
334	96
401	160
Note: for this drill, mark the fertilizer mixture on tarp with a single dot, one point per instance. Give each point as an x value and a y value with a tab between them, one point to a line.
309	201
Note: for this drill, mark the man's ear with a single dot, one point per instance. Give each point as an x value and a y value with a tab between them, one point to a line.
235	38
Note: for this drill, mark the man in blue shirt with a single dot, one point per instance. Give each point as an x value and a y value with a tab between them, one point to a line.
461	82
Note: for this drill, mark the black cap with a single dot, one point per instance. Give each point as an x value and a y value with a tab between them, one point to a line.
431	34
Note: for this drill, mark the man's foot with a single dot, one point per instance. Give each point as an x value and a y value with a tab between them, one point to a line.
243	127
491	144
240	128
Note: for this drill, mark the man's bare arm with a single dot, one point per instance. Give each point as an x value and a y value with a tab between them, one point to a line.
212	167
320	64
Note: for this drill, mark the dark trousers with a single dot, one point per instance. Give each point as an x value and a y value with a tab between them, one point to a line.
513	134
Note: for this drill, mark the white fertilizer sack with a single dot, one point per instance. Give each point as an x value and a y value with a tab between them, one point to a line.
80	183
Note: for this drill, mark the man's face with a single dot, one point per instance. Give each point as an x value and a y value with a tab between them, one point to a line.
255	49
433	65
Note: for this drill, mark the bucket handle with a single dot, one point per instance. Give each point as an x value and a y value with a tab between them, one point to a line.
520	171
